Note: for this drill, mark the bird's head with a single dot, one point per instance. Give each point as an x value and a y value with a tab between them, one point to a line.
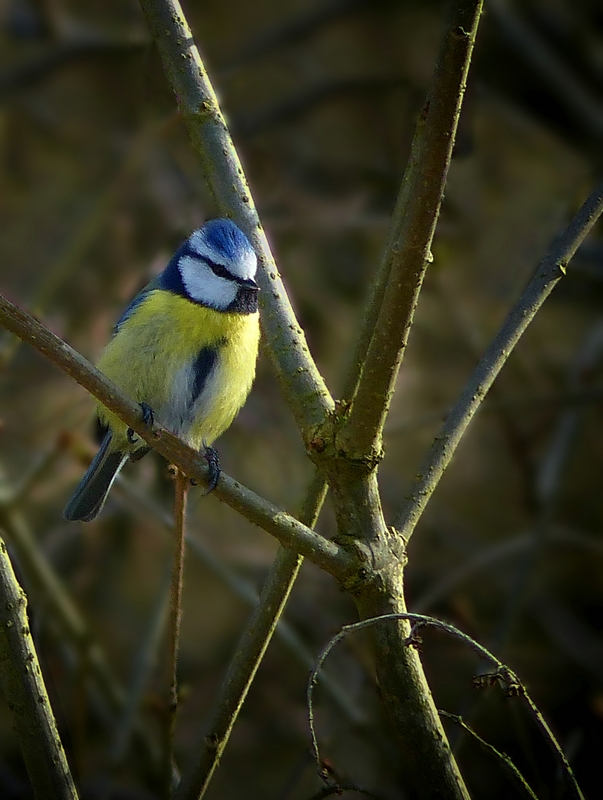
217	266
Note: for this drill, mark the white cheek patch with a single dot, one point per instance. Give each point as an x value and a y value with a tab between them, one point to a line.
203	286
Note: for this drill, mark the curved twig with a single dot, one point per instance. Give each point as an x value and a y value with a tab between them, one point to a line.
502	675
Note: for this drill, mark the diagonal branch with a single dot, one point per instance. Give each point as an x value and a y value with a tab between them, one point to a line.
408	250
546	277
302	384
290	533
24	689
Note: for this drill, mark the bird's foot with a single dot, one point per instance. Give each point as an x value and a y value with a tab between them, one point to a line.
148	418
213	465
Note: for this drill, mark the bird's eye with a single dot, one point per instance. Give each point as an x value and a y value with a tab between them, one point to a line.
219	270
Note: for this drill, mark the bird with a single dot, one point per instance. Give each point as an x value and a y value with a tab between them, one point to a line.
185	349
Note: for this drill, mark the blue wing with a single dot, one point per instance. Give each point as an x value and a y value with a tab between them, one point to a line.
136	301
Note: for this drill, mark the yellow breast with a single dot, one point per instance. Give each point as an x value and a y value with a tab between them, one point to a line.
155	346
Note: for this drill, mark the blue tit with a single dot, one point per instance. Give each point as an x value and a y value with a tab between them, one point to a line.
185	349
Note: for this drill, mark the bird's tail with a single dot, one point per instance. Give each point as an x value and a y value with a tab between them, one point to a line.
89	497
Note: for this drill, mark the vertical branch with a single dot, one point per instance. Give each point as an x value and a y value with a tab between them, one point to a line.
25	692
181	487
249	654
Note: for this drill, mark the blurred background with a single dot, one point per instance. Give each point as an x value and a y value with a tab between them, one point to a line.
99	185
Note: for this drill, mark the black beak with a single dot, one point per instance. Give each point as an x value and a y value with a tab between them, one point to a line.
250	284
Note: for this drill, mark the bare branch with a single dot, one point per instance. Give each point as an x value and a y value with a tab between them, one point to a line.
249	654
502	675
514	775
546	277
408	250
303	386
60	606
272	519
25	692
181	487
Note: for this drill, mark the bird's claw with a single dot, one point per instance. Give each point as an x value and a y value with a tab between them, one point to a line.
148	418
213	465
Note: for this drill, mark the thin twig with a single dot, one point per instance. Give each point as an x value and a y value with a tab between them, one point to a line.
292	534
302	384
548	274
246	591
408	251
23	687
502	675
248	655
181	487
514	775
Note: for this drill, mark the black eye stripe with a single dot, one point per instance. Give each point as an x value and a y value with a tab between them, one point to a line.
222	272
219	270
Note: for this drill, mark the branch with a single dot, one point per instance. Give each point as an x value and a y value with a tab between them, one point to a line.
514	775
60	606
302	384
249	654
246	591
290	533
503	675
181	487
25	693
548	274
408	250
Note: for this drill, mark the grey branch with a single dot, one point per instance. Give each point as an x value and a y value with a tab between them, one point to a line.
408	249
303	386
25	693
502	675
546	277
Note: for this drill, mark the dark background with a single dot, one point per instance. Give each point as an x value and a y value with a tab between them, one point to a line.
99	185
